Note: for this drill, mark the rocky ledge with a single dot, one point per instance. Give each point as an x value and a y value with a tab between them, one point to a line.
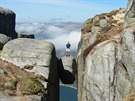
36	57
106	57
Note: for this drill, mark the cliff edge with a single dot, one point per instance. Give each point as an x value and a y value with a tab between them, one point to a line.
106	57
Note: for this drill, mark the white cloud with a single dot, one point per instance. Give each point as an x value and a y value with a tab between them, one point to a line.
73	37
54	29
58	33
32	28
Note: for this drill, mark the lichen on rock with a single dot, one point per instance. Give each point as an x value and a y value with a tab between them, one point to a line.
105	60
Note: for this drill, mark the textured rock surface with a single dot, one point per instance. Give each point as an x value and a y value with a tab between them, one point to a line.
3	97
103	23
23	52
2	72
3	40
16	81
130	13
28	98
39	54
65	76
7	22
106	60
70	64
67	62
31	36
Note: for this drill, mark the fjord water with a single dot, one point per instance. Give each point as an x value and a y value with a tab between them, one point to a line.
68	93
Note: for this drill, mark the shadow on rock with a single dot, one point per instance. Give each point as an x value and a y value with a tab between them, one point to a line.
65	76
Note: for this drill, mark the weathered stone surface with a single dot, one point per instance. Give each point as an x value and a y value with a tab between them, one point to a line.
130	14
128	57
7	22
40	54
2	72
28	98
106	64
3	97
103	77
67	63
70	64
23	52
10	85
99	73
65	76
3	40
103	23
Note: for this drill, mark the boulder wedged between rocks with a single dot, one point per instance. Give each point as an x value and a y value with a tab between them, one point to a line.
65	76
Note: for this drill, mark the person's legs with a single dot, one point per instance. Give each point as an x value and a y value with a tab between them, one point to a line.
67	52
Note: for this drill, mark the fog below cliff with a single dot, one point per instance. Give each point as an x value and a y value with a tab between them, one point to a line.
59	33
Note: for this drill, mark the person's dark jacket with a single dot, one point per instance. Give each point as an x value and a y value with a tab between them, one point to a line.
68	45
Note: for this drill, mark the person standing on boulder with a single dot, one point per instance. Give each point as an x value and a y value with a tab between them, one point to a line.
68	50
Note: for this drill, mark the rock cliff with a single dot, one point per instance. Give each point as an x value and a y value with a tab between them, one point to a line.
38	57
7	22
106	58
29	68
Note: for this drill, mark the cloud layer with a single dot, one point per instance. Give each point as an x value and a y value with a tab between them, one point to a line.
59	33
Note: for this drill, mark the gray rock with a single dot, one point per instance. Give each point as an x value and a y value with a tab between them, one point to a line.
10	85
130	14
31	36
103	75
7	22
3	97
3	40
67	63
24	51
107	72
103	23
95	30
28	98
41	55
128	51
65	76
2	72
96	19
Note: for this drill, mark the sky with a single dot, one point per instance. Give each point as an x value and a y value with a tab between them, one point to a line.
58	21
60	10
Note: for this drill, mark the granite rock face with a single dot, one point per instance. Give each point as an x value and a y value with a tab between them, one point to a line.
38	54
7	22
65	75
69	63
106	60
130	13
25	51
3	40
3	97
